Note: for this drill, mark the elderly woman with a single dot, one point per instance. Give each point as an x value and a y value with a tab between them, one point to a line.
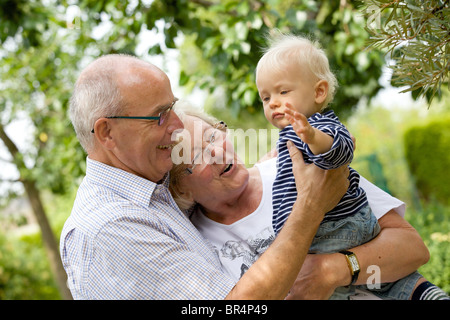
231	206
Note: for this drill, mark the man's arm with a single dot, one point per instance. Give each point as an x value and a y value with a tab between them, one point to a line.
273	274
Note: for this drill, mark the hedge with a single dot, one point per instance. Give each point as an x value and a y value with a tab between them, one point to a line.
427	151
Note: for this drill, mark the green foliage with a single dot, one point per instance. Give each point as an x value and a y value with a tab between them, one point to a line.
379	133
427	152
37	83
433	224
24	270
14	15
231	34
417	34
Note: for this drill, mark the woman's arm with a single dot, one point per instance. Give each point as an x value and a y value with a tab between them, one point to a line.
398	250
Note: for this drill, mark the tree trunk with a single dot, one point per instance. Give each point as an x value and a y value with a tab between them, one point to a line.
48	237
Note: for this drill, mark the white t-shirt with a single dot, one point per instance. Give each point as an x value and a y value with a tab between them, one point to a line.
240	244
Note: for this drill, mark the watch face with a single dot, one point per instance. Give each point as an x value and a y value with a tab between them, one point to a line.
354	262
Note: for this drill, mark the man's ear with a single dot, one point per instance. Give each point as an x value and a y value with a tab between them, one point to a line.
102	131
321	91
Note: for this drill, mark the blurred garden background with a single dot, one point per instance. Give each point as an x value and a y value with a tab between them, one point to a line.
391	59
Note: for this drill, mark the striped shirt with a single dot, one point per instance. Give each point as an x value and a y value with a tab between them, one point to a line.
341	153
127	239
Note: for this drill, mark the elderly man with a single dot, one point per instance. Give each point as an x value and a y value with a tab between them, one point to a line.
125	237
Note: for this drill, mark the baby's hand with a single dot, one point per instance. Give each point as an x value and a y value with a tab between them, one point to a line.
300	124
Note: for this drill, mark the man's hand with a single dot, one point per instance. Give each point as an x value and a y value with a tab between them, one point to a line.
316	281
274	273
317	189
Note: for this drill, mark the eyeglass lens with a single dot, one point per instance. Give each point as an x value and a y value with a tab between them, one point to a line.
164	114
211	143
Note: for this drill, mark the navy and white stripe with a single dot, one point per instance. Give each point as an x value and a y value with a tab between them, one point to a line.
341	153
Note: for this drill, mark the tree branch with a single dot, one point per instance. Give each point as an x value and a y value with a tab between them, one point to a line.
10	145
203	3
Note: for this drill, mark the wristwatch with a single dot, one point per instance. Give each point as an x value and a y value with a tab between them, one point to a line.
353	264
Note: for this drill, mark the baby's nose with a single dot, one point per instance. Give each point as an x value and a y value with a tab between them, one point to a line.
274	103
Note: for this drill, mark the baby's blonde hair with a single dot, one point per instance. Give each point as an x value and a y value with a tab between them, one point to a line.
285	49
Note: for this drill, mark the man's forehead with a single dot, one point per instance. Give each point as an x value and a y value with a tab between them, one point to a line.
147	87
140	75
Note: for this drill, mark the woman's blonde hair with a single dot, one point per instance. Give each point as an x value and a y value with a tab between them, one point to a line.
179	192
285	49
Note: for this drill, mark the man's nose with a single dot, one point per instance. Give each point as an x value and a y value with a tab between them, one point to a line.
174	123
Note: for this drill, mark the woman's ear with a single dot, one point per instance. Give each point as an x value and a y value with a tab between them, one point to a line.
188	196
321	91
185	193
183	198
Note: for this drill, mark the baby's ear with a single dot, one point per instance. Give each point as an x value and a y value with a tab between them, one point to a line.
321	91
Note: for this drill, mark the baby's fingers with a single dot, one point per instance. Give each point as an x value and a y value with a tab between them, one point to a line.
301	120
299	129
289	112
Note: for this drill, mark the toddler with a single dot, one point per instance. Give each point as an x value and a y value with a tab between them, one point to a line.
295	84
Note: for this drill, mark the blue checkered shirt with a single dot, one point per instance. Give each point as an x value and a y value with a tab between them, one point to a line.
127	239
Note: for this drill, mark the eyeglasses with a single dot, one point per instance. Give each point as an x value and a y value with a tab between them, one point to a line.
162	116
221	126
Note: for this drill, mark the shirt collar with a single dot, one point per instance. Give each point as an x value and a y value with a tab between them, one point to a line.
123	183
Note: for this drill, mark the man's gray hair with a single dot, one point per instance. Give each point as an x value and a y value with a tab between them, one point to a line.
96	95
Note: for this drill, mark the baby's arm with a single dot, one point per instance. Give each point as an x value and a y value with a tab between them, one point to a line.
317	141
329	142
